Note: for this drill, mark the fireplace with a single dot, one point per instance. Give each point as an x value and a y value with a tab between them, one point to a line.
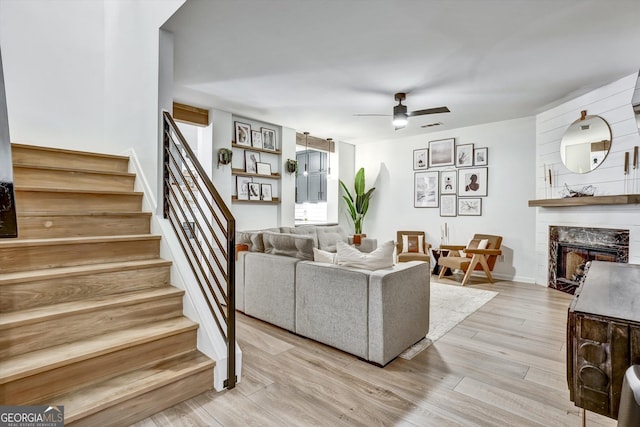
570	248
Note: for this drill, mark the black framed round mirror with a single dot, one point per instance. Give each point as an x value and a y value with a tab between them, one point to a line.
585	143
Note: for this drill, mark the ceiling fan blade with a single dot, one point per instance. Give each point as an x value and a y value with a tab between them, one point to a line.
429	111
400	127
372	115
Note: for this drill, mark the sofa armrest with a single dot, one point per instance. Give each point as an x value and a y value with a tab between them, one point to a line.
398	309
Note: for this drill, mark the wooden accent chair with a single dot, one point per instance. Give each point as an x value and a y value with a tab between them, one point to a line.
474	258
413	252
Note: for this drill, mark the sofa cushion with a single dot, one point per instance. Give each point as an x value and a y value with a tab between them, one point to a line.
330	235
305	230
292	245
324	256
253	239
382	257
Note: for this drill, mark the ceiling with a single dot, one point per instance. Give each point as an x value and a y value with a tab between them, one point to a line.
312	65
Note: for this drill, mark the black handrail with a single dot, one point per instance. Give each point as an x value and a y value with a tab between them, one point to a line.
195	210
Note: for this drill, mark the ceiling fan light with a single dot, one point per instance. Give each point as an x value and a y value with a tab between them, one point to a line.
400	119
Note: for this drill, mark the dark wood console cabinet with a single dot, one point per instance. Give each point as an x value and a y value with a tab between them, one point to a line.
603	335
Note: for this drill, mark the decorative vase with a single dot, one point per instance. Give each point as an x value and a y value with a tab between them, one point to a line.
357	239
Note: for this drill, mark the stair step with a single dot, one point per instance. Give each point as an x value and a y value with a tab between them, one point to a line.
37	225
131	397
39	375
57	177
37	328
32	254
35	288
46	156
30	199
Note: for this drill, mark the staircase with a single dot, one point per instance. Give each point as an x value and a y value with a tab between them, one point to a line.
88	318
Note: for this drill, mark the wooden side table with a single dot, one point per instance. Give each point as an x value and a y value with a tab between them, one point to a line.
437	253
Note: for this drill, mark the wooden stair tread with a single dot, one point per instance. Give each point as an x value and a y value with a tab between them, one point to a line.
74	240
54	357
79	270
62	169
27	188
97	397
67	151
82	213
41	314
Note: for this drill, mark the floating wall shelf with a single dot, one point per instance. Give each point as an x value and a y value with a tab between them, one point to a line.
250	148
621	199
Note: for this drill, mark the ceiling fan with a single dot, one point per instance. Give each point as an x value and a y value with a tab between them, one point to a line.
400	114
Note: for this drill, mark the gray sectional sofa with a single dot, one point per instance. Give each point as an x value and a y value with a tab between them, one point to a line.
374	315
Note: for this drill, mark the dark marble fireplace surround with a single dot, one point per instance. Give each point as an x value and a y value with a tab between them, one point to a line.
571	247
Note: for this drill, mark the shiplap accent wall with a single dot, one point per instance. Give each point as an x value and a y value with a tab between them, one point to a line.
613	103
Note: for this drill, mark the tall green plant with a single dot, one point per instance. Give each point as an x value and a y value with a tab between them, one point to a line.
357	207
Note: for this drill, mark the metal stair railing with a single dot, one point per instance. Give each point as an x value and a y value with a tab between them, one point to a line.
205	229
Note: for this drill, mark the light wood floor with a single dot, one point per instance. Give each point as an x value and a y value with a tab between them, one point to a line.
502	366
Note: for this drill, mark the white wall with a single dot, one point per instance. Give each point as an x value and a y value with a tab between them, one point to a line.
613	103
511	150
346	172
84	74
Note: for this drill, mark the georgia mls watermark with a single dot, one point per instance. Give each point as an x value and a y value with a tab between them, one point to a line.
31	416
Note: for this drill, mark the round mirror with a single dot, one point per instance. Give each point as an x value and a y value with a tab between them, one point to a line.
585	144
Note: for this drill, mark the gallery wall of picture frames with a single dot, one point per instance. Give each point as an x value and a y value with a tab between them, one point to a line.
451	177
260	155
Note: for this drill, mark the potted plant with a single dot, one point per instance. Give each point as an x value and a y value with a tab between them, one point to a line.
357	207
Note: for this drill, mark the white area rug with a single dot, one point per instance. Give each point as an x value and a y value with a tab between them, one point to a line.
450	305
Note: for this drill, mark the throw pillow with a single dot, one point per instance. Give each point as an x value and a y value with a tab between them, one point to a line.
251	239
412	243
292	245
323	256
382	257
476	244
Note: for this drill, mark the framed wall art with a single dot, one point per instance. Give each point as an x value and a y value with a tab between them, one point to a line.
265	192
441	152
464	155
268	139
263	168
242	187
480	156
420	159
448	182
243	134
251	159
448	205
425	190
472	182
470	206
254	191
256	139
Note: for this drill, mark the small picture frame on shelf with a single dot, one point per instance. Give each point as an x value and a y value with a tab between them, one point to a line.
242	187
265	192
472	182
448	205
251	160
243	134
470	206
263	168
254	191
442	152
268	139
448	182
256	139
480	156
420	159
464	155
